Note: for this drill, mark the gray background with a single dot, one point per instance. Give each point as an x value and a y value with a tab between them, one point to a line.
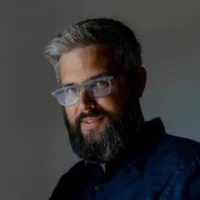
34	146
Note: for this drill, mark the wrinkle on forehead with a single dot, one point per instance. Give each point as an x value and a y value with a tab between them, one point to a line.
85	62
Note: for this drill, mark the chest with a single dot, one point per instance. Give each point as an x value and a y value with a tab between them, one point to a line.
149	184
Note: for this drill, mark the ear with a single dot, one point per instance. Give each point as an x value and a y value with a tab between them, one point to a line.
137	79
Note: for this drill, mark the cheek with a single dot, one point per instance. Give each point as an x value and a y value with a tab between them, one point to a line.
116	100
70	112
113	104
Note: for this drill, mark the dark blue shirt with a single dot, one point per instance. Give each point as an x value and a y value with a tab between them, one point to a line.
161	167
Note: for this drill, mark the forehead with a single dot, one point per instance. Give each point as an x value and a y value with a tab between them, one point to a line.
83	63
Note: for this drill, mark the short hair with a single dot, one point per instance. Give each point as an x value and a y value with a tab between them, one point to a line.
125	46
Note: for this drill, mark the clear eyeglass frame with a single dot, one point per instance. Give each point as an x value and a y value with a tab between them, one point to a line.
59	93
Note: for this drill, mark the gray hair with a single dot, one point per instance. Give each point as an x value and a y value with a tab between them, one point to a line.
126	48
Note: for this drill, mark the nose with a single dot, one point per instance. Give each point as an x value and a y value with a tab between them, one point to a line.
85	101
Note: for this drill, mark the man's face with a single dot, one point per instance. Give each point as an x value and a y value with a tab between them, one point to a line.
91	120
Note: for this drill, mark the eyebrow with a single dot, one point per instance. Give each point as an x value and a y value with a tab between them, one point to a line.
99	75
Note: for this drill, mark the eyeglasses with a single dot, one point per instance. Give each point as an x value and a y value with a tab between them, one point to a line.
69	95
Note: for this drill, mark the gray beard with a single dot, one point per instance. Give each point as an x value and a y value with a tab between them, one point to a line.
102	147
97	147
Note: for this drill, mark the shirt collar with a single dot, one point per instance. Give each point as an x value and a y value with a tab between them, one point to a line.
149	136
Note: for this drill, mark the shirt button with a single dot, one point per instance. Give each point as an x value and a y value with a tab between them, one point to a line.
96	187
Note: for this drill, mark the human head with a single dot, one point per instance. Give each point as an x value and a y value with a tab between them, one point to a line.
82	51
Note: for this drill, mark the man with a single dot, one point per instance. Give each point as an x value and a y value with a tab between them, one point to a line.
99	70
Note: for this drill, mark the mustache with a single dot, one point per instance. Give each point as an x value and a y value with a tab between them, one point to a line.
91	113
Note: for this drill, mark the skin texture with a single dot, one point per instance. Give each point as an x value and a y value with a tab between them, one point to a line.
79	66
82	64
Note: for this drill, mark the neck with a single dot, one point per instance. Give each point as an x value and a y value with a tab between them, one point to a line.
103	166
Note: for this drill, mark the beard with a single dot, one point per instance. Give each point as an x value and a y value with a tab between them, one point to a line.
103	146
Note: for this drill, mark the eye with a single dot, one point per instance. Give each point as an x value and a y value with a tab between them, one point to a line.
71	90
101	84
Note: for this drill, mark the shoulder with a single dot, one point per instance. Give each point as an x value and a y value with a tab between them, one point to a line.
68	181
75	171
174	152
180	146
178	152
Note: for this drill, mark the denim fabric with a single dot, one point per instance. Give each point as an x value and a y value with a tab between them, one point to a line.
161	167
